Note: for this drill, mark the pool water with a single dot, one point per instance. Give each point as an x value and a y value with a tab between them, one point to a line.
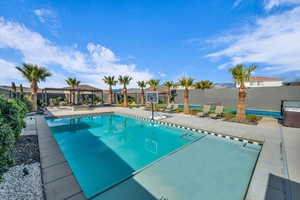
266	113
106	149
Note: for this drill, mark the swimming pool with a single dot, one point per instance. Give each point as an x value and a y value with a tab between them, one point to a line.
266	113
106	149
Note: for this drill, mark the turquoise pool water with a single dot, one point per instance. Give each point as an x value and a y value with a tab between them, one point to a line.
266	113
106	149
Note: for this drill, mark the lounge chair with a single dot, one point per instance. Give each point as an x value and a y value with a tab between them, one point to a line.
171	108
205	111
218	112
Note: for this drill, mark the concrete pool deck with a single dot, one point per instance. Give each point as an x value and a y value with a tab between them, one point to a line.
276	176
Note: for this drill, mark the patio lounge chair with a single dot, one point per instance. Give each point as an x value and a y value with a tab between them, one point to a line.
218	112
170	108
205	111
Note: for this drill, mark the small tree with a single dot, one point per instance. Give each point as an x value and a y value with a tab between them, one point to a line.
110	81
169	85
14	89
142	85
240	75
34	74
125	80
154	83
202	85
21	92
187	83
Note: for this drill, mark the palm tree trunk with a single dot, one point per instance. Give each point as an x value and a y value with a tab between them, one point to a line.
34	89
186	101
241	107
125	103
142	97
110	93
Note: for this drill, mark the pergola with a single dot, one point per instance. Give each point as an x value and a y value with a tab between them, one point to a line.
61	91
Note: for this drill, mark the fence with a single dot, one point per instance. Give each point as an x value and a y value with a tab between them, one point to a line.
266	98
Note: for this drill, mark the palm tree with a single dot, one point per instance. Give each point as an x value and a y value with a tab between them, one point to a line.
240	75
154	83
206	84
125	80
169	84
186	83
73	83
110	81
142	85
21	92
34	74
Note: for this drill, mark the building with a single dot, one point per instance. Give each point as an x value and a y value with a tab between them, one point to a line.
263	82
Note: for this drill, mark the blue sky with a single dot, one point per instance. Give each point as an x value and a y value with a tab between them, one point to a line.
149	39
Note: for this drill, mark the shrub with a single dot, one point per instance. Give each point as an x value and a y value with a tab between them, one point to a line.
7	141
13	112
253	118
228	116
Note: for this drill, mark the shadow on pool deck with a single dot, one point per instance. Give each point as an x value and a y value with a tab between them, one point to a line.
282	189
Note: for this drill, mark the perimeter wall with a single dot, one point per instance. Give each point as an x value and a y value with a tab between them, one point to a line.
267	98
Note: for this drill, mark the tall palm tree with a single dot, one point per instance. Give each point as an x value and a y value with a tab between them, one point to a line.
125	80
169	84
240	75
142	85
34	74
110	81
187	83
206	84
73	83
154	83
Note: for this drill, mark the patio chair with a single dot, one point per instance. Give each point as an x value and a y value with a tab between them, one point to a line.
205	111
218	112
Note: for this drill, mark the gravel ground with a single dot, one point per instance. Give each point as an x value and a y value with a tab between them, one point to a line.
26	150
18	185
23	181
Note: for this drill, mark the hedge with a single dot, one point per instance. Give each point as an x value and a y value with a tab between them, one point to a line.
12	114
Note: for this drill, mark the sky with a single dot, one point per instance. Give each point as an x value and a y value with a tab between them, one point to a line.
147	39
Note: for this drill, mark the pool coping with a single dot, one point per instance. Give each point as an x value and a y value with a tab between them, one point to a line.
56	184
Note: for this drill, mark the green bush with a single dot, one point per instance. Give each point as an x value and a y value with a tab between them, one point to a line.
228	116
13	112
7	141
253	118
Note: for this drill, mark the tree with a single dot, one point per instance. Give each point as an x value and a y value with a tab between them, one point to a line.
110	81
14	89
34	74
240	75
169	84
154	83
73	83
21	92
202	85
125	80
187	83
142	85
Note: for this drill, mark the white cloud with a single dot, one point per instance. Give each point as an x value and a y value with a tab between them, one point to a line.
161	74
92	65
8	72
269	4
273	41
44	14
